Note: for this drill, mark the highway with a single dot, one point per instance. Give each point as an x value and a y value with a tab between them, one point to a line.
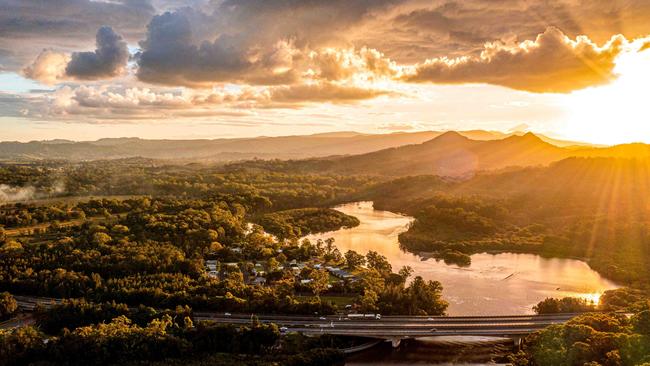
401	326
393	328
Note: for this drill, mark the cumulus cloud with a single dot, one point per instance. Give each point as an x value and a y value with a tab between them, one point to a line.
108	60
111	103
48	67
551	63
323	92
342	64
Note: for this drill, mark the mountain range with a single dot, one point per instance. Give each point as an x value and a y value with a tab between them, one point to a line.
219	150
456	155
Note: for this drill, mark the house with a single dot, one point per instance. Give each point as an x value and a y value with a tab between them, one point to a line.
259	281
211	265
337	272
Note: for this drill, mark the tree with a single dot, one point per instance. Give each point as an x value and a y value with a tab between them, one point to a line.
564	305
354	260
100	238
379	263
368	301
319	280
641	322
11	246
426	297
8	305
405	272
273	264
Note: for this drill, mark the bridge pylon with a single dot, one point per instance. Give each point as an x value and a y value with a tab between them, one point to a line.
395	342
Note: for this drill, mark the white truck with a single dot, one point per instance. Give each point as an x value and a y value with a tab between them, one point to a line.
364	316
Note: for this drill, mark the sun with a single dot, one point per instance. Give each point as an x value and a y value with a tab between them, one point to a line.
592	298
615	113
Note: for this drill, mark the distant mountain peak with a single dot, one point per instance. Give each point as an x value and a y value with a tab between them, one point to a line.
338	134
527	137
449	137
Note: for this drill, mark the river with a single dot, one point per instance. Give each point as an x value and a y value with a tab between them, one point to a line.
494	284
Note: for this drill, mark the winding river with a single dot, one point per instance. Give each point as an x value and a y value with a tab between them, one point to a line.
494	284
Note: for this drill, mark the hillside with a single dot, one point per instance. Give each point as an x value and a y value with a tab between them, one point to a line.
452	154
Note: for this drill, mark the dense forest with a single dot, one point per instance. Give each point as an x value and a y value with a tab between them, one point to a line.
616	331
130	238
591	339
164	338
185	241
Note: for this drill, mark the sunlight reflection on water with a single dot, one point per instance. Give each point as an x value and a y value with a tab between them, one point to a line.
494	284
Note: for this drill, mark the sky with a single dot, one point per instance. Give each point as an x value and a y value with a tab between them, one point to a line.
83	70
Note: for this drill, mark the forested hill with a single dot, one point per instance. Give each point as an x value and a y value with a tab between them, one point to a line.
452	154
284	147
455	155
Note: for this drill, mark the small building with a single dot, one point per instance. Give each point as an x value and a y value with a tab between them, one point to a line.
211	265
213	274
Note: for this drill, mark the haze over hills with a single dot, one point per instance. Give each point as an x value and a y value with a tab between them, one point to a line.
285	147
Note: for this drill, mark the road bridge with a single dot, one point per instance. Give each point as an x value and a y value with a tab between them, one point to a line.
391	328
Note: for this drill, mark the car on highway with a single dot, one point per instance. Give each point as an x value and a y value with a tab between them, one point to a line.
227	314
322	318
433	330
284	329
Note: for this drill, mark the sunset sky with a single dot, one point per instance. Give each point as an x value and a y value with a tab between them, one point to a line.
83	70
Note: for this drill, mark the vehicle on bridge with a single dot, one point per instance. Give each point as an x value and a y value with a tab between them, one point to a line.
364	316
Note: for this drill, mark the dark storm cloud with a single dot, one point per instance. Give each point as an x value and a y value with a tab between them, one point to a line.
109	59
29	26
175	52
251	41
